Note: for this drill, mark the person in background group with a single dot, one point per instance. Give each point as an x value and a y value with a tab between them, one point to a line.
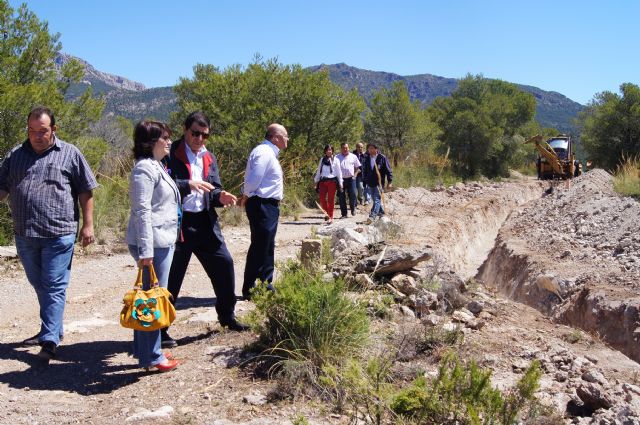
376	170
350	168
45	179
153	226
328	179
196	173
363	194
261	195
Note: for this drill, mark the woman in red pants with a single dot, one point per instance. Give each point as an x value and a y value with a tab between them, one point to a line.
328	179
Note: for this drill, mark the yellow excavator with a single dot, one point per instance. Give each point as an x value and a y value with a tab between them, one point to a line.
557	158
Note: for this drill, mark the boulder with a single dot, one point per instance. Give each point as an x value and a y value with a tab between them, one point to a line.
594	396
394	260
310	252
405	284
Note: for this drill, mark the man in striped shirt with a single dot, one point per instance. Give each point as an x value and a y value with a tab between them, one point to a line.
45	178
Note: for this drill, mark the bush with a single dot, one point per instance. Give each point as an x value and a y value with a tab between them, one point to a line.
310	321
626	180
462	394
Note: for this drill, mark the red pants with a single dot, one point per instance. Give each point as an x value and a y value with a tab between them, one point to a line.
328	196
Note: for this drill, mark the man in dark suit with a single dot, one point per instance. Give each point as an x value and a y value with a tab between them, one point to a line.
376	169
196	173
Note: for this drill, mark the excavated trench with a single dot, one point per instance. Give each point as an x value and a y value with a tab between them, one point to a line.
474	245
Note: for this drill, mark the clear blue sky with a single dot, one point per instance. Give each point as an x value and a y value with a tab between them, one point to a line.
577	48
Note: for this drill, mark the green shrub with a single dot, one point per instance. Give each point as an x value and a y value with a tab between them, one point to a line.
6	224
462	394
435	337
308	320
365	388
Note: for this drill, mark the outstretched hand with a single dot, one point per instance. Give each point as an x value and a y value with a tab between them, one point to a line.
200	186
227	199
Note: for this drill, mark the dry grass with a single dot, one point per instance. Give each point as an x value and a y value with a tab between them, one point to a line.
626	180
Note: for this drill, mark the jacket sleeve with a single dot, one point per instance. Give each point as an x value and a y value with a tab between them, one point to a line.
214	178
143	181
387	166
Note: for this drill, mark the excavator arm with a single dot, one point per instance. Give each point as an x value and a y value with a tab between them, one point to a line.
547	151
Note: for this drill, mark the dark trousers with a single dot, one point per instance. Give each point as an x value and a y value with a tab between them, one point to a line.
214	256
349	185
263	220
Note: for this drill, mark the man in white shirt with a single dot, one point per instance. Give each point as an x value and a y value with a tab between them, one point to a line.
261	195
350	167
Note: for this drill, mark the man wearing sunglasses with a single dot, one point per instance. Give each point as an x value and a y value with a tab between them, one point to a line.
196	173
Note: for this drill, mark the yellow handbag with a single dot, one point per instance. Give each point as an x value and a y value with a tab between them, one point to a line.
148	310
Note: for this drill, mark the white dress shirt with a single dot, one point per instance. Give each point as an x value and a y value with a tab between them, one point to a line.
263	175
329	172
349	163
194	202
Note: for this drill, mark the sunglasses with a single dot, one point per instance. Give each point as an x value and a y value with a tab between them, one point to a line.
199	133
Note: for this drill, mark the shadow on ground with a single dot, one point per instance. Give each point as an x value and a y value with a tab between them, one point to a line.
84	368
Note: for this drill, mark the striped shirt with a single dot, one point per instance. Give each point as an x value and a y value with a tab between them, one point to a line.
44	188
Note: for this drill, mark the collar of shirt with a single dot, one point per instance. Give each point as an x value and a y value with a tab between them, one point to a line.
192	157
373	159
56	144
275	149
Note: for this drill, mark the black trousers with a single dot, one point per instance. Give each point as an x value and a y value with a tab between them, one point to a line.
212	252
349	188
263	217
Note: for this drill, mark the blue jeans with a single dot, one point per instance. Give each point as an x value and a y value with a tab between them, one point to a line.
146	344
47	264
376	208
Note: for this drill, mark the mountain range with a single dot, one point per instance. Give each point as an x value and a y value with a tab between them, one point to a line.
134	101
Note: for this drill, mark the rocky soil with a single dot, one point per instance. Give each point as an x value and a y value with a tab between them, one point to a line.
520	275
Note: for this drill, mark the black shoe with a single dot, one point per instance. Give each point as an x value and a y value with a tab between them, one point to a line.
35	340
234	325
166	340
32	341
48	350
353	212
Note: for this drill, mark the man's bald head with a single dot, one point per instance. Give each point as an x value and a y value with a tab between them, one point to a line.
277	134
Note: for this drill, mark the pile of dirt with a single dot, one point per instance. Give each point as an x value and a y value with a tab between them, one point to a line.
598	224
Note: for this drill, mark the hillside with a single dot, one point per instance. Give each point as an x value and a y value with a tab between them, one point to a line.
134	101
553	109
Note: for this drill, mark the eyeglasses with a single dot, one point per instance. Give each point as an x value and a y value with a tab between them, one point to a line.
199	133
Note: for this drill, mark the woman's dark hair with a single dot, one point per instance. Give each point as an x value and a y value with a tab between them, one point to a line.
145	136
199	118
327	147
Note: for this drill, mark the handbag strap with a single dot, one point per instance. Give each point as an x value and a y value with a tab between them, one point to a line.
152	275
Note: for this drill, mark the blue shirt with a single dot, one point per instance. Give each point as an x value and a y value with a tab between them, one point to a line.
263	175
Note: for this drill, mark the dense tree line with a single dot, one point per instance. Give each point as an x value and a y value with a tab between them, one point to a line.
29	77
611	126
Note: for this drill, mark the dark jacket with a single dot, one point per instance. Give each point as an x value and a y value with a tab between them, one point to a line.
361	159
179	169
369	175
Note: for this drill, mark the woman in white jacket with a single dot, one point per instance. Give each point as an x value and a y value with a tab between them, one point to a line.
153	226
328	179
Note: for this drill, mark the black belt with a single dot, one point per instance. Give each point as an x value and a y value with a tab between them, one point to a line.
272	201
